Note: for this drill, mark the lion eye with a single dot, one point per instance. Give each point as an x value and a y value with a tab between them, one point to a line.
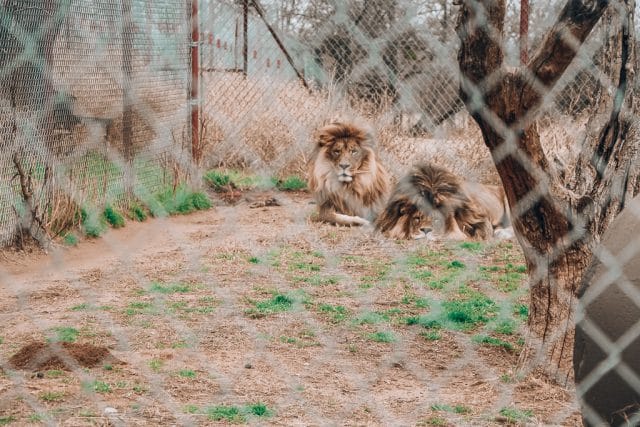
355	152
336	152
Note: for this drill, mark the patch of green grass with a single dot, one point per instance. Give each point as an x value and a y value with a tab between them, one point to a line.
431	335
156	364
291	183
139	388
70	239
457	409
107	367
173	288
471	246
382	336
436	421
66	334
113	217
306	266
416	260
422	275
54	373
36	418
187	373
510	281
217	179
230	414
93	224
276	304
139	307
100	387
455	264
337	313
515	415
7	419
51	396
496	342
254	260
258	410
181	201
137	212
522	310
371	318
464	314
505	327
221	180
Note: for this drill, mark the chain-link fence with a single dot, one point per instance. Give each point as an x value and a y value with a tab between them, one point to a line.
256	312
88	88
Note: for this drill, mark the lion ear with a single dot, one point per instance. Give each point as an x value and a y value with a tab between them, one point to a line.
324	138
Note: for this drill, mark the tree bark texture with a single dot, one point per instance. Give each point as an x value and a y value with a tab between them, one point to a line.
558	218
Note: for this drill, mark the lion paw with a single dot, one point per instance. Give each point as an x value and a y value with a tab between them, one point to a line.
504	233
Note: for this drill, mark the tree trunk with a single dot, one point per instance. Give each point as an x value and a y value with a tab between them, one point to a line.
558	220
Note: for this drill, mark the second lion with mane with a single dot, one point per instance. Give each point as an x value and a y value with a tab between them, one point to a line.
349	185
464	209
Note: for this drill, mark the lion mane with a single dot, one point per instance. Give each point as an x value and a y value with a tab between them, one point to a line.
401	218
458	209
349	185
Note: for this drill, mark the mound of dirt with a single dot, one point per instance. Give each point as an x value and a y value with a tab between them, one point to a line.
37	356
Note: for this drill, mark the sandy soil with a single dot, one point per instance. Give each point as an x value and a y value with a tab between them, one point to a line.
189	305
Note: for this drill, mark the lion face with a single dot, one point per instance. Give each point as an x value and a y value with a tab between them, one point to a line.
402	219
347	154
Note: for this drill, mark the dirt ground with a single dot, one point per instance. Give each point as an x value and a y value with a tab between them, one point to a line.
258	316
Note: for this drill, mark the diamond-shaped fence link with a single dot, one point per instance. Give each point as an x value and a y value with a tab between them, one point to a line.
253	312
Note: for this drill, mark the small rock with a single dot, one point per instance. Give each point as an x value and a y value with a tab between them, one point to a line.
110	411
248	365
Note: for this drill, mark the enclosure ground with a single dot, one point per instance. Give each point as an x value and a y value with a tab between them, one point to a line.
252	315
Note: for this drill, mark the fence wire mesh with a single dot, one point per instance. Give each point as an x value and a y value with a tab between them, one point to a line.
254	312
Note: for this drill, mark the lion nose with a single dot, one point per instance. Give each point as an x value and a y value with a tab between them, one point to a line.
344	165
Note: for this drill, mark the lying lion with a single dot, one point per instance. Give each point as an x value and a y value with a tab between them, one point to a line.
430	194
349	185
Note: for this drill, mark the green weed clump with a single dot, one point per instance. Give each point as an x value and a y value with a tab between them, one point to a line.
222	180
278	303
291	183
137	212
113	217
495	342
70	239
93	224
181	201
466	313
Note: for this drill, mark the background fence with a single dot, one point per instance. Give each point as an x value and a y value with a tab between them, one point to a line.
394	64
89	90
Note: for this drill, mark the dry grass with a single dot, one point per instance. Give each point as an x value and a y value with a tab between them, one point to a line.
267	126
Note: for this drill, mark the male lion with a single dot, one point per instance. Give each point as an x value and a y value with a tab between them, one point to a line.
465	210
401	218
349	185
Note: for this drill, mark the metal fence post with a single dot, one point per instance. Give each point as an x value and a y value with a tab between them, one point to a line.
196	151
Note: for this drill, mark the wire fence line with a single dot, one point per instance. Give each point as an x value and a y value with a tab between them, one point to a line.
95	111
88	87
